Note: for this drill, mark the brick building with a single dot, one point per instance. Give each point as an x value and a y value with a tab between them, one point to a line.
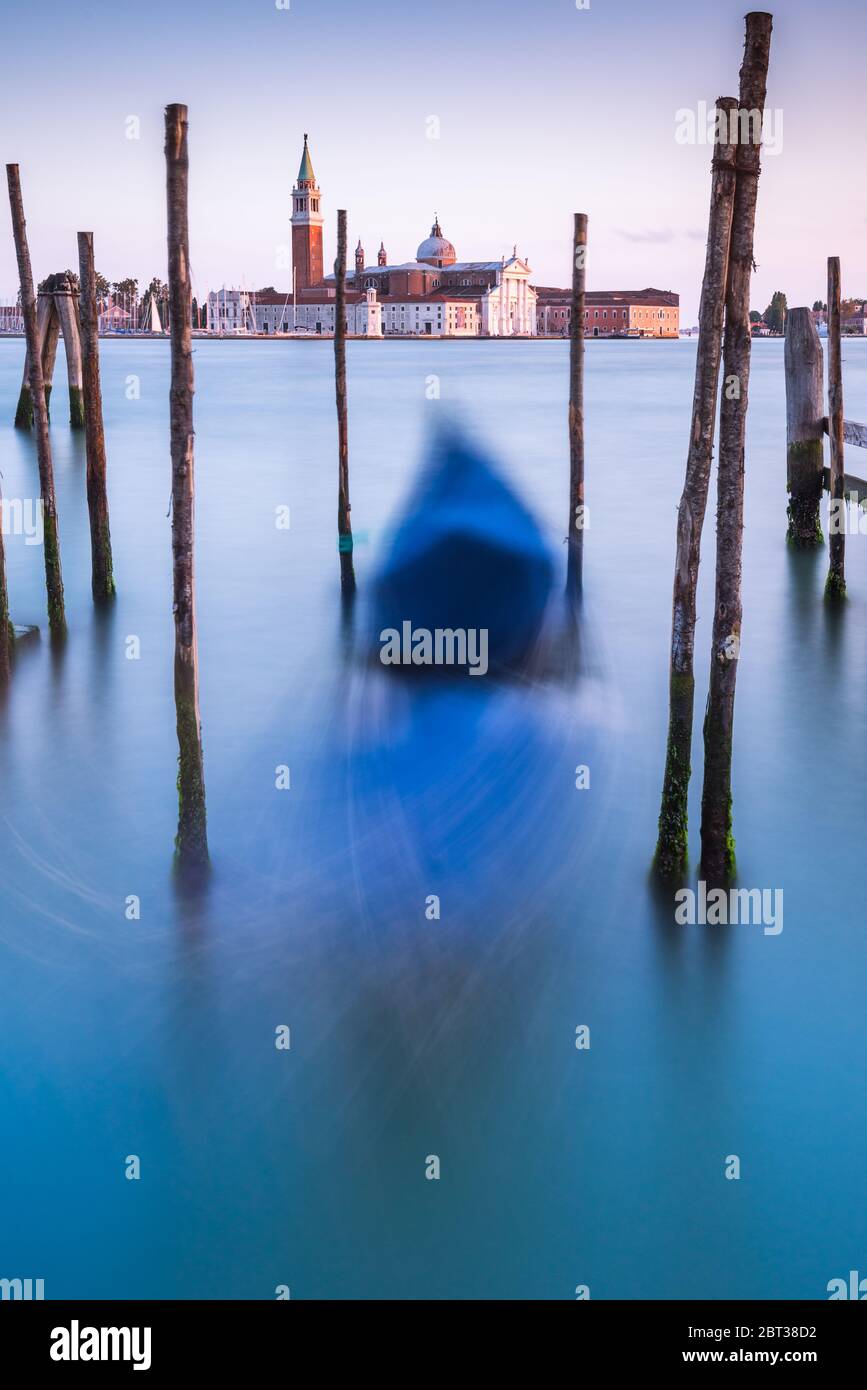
648	313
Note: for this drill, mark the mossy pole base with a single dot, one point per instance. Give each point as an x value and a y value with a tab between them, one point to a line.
191	841
76	408
191	844
347	566
671	847
24	411
804	464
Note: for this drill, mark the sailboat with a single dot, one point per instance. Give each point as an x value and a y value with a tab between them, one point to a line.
152	322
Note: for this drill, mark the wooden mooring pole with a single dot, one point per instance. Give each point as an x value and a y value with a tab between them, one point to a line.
191	843
51	541
835	585
717	857
672	842
804	412
344	508
575	553
102	571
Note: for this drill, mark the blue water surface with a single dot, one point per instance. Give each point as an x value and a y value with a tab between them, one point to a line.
414	1035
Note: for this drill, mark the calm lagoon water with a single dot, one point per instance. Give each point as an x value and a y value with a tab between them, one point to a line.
412	1037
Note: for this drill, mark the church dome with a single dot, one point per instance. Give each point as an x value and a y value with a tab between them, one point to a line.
435	249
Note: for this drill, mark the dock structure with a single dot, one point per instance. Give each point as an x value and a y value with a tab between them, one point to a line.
57	311
807	423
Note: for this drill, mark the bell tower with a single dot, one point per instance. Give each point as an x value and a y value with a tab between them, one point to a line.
306	226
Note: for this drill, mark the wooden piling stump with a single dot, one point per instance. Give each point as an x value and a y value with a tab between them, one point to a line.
804	414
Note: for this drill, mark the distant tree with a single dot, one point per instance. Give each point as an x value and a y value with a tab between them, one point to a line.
818	307
103	288
128	287
775	314
157	289
755	316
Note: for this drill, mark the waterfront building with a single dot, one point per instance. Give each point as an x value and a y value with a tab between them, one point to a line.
312	311
648	313
434	294
856	321
228	311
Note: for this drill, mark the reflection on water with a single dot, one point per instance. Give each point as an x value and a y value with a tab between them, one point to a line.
410	1034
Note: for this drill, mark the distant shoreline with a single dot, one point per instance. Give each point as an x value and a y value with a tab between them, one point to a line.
369	338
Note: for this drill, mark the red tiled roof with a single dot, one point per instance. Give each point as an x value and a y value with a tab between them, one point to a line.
547	295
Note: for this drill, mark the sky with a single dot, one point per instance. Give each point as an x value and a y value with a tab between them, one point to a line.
541	110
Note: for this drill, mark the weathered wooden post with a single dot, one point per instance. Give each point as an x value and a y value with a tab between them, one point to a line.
51	538
66	301
575	550
49	345
344	509
192	838
47	329
56	310
718	860
804	431
672	842
102	571
835	585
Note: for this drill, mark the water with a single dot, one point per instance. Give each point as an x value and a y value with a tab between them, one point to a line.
413	1037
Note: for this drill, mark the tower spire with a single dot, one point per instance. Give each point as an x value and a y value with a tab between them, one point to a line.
305	173
306	225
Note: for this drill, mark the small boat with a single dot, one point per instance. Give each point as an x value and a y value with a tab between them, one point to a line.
467	558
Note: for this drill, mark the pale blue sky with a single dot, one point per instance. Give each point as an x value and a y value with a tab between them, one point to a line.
543	109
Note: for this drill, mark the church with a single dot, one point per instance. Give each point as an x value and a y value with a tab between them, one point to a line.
433	295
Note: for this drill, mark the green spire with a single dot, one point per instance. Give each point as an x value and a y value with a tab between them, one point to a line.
305	173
